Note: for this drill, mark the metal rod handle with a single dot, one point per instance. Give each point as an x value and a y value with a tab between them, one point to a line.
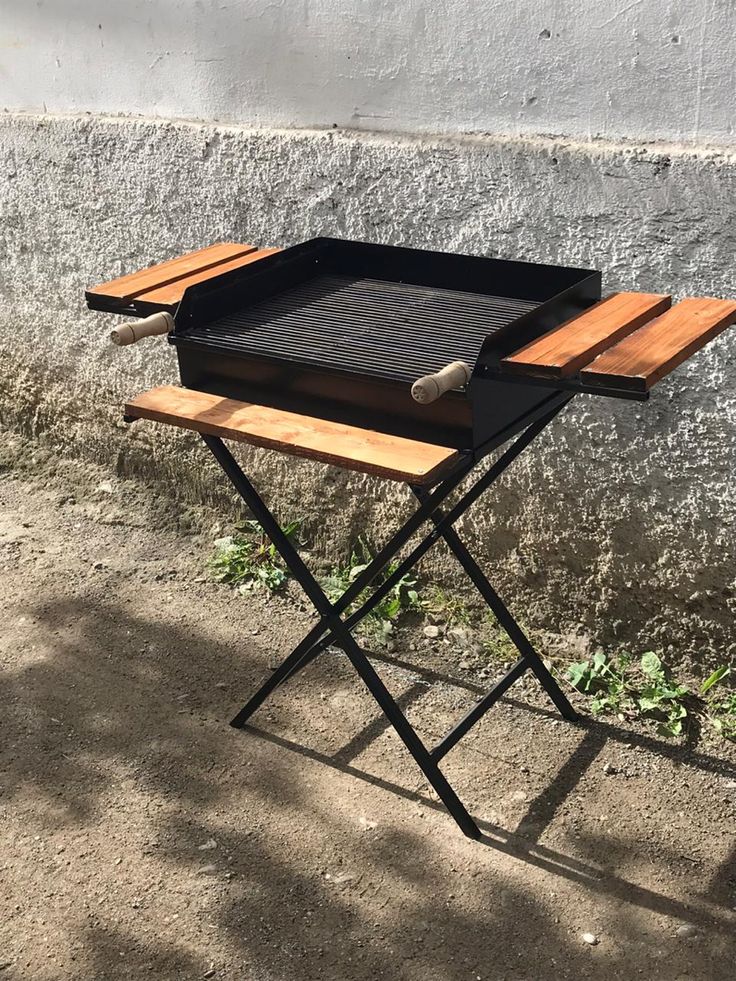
157	323
430	387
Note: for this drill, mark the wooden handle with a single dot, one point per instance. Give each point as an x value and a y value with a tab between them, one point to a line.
430	387
157	323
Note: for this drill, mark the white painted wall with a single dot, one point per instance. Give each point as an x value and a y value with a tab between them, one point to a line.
644	69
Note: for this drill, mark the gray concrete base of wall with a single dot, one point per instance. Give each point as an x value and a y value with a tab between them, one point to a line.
617	526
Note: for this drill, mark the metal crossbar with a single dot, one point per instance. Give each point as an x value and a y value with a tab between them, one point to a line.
335	624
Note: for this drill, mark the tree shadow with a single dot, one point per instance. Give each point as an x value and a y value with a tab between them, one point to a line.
123	706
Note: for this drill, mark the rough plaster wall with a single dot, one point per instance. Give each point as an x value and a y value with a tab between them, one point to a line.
613	68
619	524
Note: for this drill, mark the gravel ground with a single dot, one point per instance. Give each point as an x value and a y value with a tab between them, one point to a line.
143	837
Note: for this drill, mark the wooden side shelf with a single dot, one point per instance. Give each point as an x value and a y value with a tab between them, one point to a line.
392	457
623	344
162	286
653	351
563	351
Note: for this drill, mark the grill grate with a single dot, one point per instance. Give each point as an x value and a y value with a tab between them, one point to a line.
375	327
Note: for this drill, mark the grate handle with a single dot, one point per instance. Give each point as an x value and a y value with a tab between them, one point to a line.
430	387
157	323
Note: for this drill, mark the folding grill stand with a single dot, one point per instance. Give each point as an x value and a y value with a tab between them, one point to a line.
334	629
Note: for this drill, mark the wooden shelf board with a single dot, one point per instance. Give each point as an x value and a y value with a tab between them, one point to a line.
125	289
564	350
653	351
349	447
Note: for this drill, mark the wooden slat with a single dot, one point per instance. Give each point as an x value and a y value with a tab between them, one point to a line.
171	293
653	351
563	351
126	288
317	439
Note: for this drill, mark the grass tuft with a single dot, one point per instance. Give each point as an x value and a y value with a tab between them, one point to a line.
381	621
249	558
646	689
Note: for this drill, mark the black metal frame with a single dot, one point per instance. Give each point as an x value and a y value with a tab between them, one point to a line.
334	628
289	364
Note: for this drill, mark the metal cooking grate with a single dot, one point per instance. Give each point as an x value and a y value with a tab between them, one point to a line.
375	327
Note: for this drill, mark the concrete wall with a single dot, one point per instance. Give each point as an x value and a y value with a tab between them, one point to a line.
619	525
584	68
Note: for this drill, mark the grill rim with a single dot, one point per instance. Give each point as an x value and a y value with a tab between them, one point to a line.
396	331
188	343
463	419
298	267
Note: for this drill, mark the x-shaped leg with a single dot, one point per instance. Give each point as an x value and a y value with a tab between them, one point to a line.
333	629
530	659
332	622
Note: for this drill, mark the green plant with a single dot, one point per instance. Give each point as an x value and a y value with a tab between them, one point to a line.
720	706
661	698
441	605
496	644
403	596
619	686
605	680
249	558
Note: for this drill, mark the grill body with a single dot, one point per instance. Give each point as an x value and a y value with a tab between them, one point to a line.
341	329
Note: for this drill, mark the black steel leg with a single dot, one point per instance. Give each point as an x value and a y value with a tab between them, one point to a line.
293	663
398	720
429	507
477	711
311	646
333	629
502	614
332	622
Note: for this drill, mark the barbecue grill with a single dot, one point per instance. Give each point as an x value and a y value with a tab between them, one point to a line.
341	330
407	364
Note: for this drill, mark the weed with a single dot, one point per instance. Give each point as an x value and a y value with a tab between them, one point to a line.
619	686
249	558
720	706
496	643
661	698
381	620
605	680
441	605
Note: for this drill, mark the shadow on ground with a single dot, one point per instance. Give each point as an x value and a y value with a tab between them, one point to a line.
115	744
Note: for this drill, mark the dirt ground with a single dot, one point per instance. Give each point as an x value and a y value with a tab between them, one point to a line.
141	836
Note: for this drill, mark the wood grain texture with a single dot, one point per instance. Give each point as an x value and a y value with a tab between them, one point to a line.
656	349
170	294
127	288
565	350
343	446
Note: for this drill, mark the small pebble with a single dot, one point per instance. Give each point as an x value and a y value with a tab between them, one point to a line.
687	931
609	769
208	870
431	630
590	938
208	845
